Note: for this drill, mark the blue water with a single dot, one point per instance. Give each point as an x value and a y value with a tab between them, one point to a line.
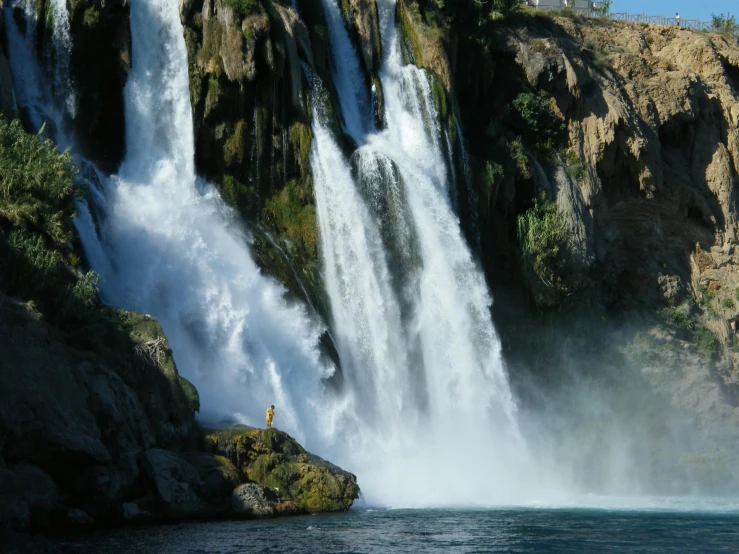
510	531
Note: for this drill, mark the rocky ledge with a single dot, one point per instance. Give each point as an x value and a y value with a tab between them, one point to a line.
108	437
245	472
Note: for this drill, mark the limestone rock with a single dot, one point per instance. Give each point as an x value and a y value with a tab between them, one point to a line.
249	499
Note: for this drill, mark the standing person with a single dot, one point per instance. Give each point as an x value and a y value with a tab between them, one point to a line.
270	415
677	18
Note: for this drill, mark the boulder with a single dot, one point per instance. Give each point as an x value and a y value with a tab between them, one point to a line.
250	499
276	461
175	482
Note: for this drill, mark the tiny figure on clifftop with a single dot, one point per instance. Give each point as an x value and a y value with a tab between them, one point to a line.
677	18
270	415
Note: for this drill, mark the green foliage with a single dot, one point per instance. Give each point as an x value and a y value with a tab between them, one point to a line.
234	148
725	24
294	217
36	211
193	397
243	7
542	232
493	173
680	318
706	343
706	295
575	167
728	303
537	121
92	17
520	158
36	184
736	293
501	8
300	140
602	8
239	195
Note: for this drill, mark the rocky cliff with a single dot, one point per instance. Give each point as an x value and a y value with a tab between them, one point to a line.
605	163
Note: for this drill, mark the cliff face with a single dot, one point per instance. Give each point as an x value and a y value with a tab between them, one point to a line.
625	136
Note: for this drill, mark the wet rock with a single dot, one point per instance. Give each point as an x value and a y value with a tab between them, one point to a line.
249	499
276	461
175	482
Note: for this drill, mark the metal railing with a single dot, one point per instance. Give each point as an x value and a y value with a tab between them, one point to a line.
693	24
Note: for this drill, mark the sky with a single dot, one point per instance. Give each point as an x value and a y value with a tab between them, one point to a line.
688	9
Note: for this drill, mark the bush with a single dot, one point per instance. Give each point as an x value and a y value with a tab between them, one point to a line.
725	24
681	319
243	7
537	120
706	343
602	8
575	168
542	231
728	303
500	8
37	192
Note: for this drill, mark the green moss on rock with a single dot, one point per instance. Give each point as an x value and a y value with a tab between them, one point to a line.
234	151
302	482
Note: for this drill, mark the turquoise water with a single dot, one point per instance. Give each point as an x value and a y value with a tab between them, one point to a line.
502	530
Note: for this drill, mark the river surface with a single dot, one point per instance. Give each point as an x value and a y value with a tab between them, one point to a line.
501	530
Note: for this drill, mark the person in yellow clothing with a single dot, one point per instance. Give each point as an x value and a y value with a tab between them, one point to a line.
270	415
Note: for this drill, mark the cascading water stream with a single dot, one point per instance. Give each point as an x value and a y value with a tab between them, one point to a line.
405	273
170	247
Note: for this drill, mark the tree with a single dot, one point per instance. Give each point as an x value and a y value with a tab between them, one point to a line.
602	8
725	24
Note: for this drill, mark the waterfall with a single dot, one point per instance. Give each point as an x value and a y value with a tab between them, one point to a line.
410	305
425	415
62	42
170	247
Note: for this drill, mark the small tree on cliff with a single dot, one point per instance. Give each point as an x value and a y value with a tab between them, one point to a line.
498	9
725	24
602	8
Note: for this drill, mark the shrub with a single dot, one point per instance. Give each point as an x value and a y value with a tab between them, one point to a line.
681	319
36	211
500	8
542	231
725	24
728	303
602	8
92	17
575	167
706	343
243	7
520	158
537	120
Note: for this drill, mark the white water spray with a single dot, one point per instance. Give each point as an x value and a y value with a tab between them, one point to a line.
411	308
176	251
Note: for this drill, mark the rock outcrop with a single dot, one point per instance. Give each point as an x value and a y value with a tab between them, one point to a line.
295	480
74	425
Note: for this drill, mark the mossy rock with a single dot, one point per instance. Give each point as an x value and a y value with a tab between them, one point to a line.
302	482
